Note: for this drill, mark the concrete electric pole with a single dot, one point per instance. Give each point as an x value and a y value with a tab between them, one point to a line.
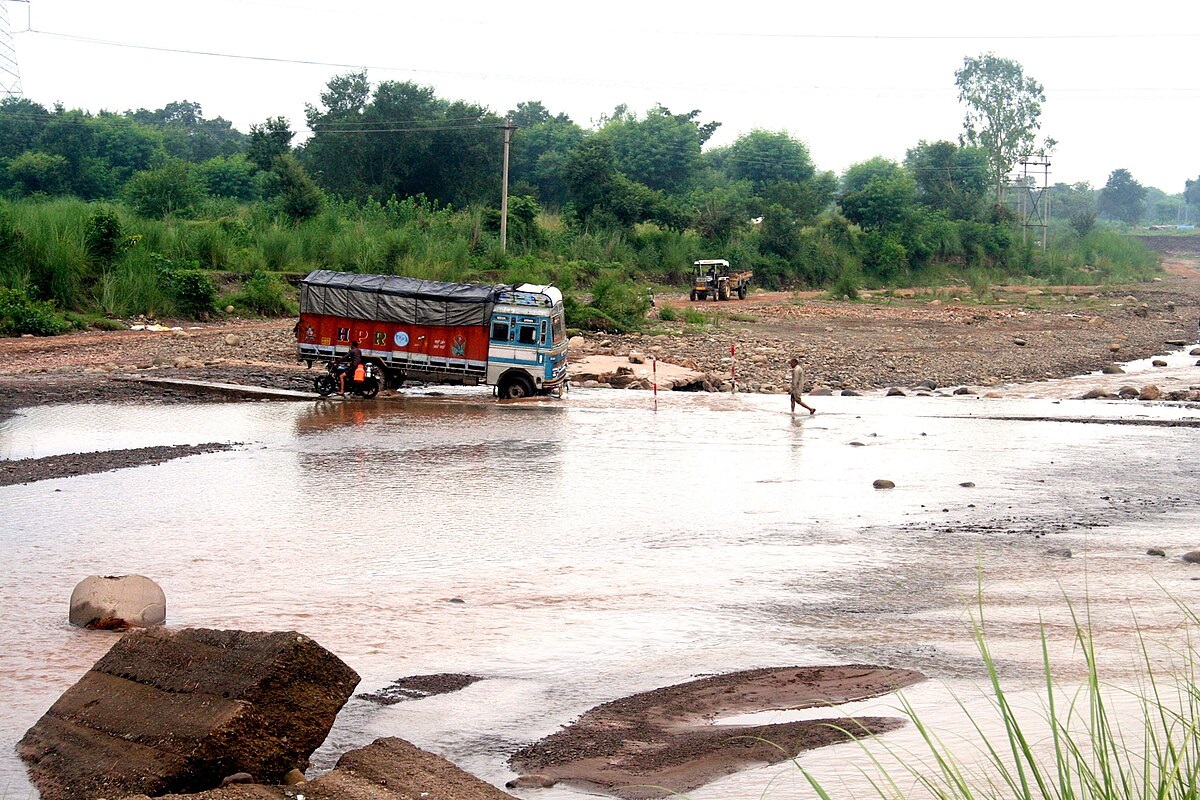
508	128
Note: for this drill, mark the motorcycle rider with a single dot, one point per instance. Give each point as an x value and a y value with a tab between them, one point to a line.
353	361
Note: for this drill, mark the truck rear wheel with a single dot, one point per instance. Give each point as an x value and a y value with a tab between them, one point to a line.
514	387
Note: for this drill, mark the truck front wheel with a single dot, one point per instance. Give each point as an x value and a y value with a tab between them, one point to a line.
514	387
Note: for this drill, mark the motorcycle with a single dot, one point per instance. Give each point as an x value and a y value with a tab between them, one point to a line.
366	387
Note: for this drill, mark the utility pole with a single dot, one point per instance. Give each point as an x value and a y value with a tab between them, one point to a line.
508	128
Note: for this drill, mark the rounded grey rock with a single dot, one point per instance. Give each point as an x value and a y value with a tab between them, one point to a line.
133	599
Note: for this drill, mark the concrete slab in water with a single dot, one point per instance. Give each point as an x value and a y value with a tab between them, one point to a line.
228	389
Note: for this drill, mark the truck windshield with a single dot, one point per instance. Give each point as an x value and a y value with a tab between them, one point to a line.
557	332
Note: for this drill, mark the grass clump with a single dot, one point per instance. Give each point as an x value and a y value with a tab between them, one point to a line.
265	294
1079	748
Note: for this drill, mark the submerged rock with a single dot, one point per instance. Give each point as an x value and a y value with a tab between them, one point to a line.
117	602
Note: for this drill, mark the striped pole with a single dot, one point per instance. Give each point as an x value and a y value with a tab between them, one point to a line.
654	369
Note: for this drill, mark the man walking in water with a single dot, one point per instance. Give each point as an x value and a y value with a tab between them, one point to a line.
797	375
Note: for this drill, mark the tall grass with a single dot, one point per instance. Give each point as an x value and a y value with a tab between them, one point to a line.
43	252
1080	746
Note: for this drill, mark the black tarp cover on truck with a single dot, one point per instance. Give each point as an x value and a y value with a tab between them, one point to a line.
391	298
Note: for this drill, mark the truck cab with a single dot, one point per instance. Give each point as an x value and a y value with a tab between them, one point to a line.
527	342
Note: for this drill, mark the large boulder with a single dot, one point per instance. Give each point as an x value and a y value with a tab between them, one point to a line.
178	711
117	601
386	769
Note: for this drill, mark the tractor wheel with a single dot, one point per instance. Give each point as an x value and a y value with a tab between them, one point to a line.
693	295
742	292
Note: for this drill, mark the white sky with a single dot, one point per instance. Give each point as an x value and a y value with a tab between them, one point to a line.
851	80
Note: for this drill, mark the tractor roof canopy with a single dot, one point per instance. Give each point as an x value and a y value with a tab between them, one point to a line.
711	262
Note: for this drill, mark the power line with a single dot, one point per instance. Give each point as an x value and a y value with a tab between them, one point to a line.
593	81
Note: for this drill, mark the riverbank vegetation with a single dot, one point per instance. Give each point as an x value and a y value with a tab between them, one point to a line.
164	212
1090	740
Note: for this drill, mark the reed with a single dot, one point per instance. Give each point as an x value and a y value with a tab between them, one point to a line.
1078	747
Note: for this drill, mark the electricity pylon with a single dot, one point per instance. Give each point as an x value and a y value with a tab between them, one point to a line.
10	73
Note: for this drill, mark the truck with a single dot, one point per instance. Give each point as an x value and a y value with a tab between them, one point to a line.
712	279
510	337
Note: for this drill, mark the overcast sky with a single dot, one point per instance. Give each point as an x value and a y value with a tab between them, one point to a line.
851	80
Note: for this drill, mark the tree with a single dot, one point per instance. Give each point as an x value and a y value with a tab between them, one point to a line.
661	150
21	124
187	135
949	178
1191	193
162	191
228	176
1003	111
768	157
126	146
268	141
878	197
72	135
541	148
1122	198
402	140
295	192
37	172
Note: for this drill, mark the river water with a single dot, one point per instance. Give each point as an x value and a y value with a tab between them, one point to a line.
575	551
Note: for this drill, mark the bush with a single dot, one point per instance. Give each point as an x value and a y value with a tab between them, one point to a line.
191	288
265	294
19	315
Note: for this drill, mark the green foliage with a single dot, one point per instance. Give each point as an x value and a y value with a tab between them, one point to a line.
296	195
1122	198
847	284
950	179
419	143
192	289
1003	111
163	191
228	176
134	287
38	173
660	151
187	135
617	305
264	294
104	238
19	315
269	141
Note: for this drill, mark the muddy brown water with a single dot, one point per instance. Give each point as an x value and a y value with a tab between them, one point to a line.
571	552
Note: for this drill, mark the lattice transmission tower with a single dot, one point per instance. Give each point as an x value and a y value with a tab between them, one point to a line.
1029	189
10	73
